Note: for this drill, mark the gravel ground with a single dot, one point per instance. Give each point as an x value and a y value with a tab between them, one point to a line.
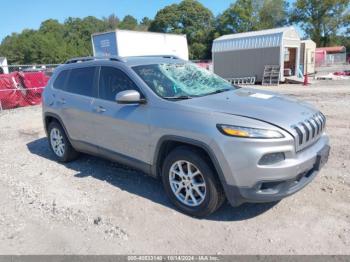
93	206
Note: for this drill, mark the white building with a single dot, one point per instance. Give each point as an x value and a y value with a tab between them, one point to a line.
246	54
307	56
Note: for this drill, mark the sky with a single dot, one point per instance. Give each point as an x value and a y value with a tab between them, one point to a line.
29	14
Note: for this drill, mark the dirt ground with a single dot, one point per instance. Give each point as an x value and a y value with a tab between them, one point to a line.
93	206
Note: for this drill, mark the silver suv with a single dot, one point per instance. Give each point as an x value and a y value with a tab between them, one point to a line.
207	140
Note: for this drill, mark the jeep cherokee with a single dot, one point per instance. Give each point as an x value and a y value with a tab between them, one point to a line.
206	139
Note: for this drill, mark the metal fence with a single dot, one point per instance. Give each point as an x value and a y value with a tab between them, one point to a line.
22	85
331	59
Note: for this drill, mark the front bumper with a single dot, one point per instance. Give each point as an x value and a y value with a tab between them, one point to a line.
250	182
273	191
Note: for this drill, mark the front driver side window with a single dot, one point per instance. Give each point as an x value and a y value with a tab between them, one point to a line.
113	81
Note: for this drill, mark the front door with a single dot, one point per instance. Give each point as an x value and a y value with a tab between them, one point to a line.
121	128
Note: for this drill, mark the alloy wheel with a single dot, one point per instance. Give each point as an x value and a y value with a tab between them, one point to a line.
57	142
187	183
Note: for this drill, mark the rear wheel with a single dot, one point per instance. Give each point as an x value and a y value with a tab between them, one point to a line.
60	144
191	183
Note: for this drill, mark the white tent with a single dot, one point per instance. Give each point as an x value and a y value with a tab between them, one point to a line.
3	65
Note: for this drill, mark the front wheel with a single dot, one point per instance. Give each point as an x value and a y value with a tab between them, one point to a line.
190	183
60	144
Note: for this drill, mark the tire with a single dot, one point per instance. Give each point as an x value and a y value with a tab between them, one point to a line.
207	194
66	153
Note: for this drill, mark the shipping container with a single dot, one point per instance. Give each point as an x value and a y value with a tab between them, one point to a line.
126	43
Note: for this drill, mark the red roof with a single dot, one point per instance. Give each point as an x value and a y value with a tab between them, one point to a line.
332	49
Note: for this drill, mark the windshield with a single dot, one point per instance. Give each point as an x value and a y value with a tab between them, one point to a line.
181	80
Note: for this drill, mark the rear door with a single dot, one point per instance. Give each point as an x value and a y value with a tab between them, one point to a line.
77	103
121	128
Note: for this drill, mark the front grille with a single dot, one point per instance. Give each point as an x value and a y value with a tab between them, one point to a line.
309	131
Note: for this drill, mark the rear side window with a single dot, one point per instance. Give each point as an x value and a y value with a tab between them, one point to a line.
81	81
113	81
61	80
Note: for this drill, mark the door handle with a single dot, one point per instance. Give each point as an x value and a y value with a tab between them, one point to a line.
100	109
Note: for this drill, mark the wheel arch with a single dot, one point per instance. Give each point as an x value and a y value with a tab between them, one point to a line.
49	117
168	143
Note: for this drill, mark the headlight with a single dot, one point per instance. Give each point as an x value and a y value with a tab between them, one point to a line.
247	132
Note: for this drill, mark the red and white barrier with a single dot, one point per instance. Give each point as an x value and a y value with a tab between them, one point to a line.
19	89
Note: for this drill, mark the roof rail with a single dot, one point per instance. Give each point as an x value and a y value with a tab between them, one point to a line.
171	56
92	58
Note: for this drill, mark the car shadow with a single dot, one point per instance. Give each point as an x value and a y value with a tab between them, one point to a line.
138	183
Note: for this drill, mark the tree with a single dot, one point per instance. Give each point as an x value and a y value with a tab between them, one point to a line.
273	13
11	47
321	20
129	22
251	15
191	18
51	26
326	22
167	20
242	16
77	33
144	24
53	42
341	40
112	21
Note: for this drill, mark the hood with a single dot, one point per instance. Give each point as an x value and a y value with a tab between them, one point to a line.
266	106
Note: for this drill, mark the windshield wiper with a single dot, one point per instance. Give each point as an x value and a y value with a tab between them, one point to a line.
218	91
177	97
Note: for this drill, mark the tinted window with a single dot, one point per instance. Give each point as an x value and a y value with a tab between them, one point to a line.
81	81
61	80
113	81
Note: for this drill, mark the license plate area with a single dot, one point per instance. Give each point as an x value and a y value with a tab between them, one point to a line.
322	158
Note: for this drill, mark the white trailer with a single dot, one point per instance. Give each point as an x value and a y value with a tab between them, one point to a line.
134	43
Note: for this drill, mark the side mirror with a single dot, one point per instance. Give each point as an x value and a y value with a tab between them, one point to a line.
129	97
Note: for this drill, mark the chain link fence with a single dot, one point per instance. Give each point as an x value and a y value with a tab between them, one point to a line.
22	85
331	59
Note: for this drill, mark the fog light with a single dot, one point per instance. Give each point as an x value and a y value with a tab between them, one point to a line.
272	158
